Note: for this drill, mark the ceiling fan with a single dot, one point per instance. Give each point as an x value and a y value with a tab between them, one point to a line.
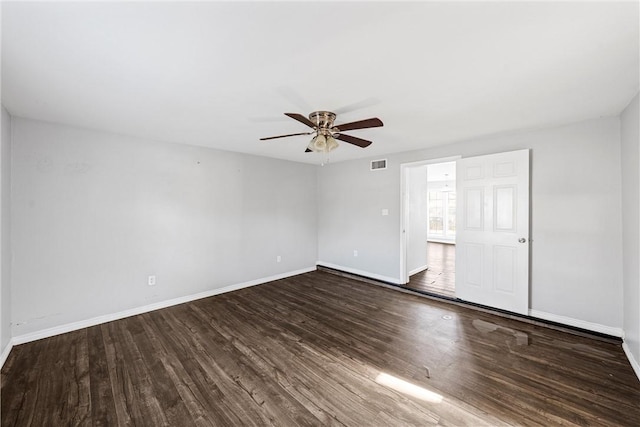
325	132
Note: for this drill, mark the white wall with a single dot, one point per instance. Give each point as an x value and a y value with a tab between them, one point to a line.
350	200
94	214
630	140
576	225
417	217
5	233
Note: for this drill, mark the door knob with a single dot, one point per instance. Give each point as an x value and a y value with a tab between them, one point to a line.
522	240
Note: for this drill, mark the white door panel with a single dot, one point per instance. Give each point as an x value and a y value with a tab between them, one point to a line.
492	262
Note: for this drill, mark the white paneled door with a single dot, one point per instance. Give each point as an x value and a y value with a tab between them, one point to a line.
492	230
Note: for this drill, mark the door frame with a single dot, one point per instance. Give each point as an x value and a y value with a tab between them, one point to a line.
404	207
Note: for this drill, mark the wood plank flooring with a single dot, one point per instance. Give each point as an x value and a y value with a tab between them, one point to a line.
318	349
440	278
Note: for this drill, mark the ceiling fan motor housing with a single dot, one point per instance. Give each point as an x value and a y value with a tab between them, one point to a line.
322	119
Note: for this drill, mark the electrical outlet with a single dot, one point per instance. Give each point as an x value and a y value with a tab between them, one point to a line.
355	252
151	280
278	258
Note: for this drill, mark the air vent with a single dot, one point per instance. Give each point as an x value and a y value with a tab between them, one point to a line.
378	164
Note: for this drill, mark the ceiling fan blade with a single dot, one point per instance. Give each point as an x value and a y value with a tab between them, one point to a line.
353	140
301	119
360	124
356	106
284	136
291	95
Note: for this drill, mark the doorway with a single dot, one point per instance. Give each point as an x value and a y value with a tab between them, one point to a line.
429	224
491	228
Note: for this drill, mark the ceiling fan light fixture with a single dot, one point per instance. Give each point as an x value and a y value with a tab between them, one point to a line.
323	143
332	144
318	144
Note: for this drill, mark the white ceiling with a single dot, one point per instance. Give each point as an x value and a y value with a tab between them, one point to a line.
222	74
441	172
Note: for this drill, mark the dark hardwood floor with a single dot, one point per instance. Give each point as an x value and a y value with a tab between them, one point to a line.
318	349
440	278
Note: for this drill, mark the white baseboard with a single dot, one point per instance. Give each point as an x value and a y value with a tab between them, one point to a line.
418	270
589	326
360	272
5	353
69	327
634	363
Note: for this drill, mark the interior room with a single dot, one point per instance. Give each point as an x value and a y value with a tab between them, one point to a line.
320	213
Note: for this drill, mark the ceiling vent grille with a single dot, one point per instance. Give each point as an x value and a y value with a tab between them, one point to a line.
378	164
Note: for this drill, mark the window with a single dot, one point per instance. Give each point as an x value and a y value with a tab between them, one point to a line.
436	213
451	212
442	214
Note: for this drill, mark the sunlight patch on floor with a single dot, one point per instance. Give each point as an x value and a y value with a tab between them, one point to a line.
407	388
